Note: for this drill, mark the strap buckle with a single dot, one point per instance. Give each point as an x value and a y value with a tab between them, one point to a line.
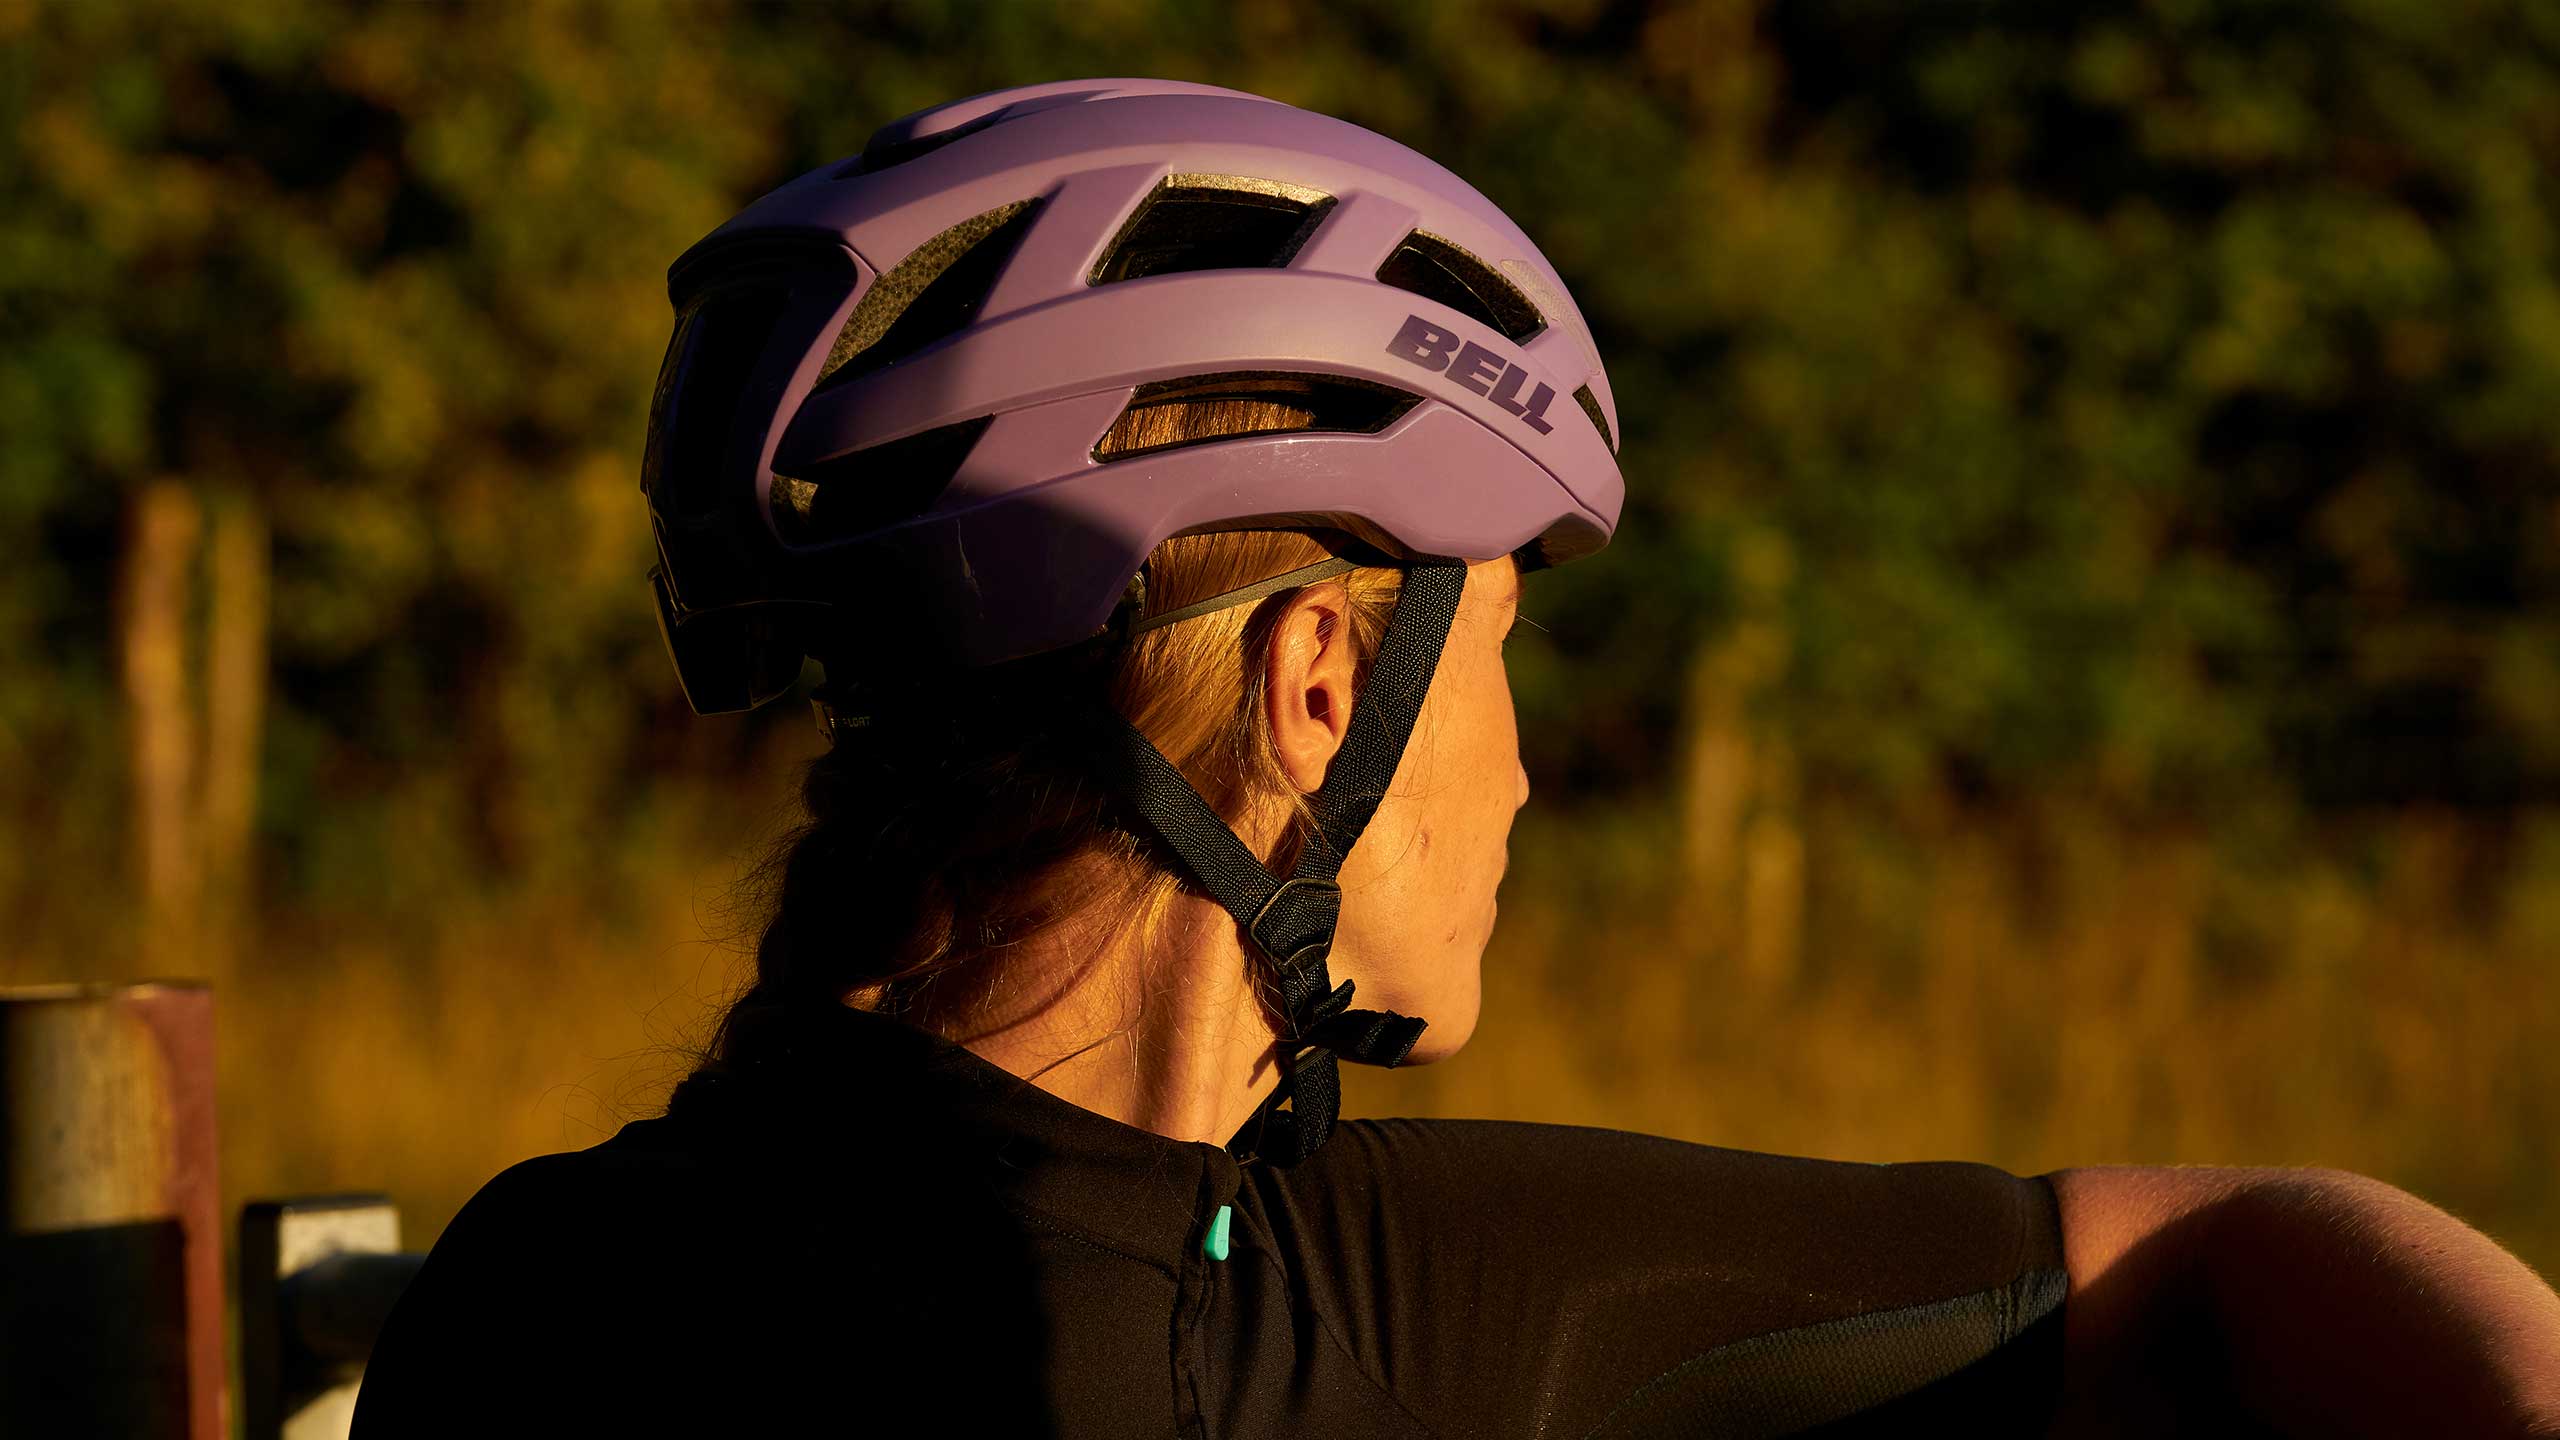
1298	957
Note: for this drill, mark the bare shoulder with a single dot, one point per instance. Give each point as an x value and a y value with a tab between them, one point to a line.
2328	1302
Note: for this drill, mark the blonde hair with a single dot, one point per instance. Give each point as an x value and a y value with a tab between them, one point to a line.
934	846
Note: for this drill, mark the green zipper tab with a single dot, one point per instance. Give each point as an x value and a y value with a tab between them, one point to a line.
1215	1246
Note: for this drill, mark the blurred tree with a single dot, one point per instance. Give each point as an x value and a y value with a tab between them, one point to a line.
2148	400
2189	387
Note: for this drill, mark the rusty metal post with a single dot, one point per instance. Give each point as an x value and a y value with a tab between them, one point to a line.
111	1254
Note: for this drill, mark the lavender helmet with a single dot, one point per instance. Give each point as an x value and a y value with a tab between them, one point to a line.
899	379
912	384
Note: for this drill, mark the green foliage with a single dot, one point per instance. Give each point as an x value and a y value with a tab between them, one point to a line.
2184	393
2153	399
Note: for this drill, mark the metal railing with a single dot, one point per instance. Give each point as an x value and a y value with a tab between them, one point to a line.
317	1278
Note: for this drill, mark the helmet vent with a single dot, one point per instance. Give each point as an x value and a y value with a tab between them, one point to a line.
701	394
1212	222
864	490
1202	409
1437	268
933	293
1590	404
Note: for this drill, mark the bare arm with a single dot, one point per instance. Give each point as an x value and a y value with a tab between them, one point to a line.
2316	1301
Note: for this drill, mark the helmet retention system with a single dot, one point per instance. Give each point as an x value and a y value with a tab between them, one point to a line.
1292	921
905	384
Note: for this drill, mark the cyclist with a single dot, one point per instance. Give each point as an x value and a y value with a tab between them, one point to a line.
1152	468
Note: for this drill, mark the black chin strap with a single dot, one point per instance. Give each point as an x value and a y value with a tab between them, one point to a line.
1292	921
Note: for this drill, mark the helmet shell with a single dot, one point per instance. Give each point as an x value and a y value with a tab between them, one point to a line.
1022	537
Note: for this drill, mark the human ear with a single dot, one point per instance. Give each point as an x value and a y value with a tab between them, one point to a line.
1307	673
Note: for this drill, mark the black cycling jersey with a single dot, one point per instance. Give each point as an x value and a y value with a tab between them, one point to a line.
880	1233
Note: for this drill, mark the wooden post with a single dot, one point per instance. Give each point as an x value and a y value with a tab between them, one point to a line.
111	1301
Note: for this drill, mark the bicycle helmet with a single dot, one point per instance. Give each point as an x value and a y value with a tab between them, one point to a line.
906	383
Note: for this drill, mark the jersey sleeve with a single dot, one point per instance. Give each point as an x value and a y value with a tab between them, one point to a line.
1601	1283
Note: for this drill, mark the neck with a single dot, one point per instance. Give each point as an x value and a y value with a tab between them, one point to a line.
1158	1029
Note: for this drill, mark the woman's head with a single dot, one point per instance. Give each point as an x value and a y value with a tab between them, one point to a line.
927	412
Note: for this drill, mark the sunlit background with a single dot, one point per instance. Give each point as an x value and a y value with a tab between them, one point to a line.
2079	679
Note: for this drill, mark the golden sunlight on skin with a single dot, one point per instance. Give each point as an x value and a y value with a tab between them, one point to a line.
1418	890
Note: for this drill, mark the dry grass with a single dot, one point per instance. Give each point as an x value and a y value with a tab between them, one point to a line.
2034	994
369	1063
2103	998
